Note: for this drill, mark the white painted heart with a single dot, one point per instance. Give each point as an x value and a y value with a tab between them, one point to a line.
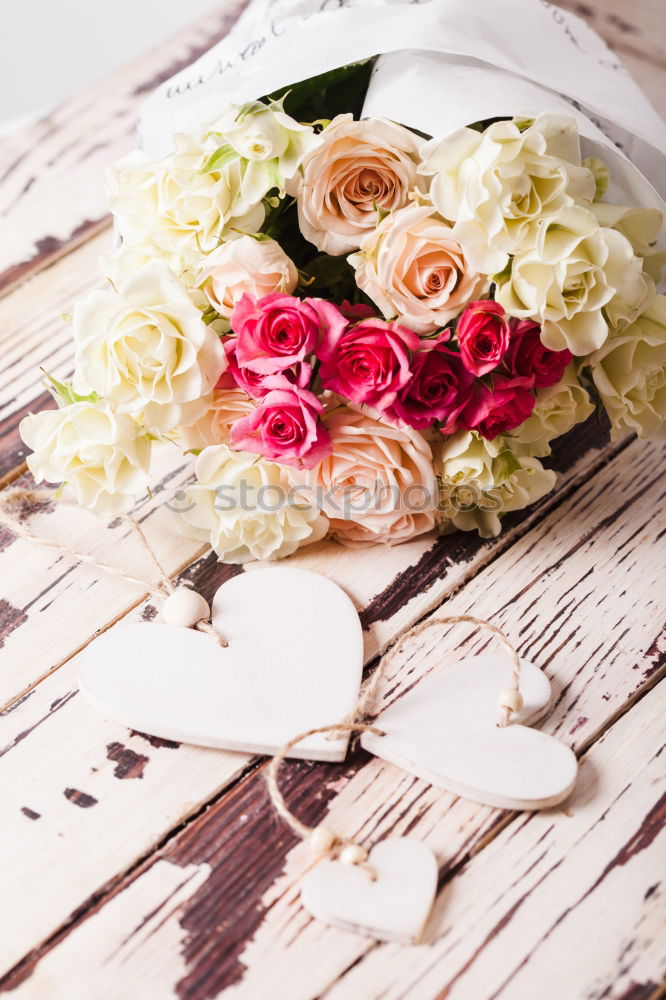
392	907
293	663
444	730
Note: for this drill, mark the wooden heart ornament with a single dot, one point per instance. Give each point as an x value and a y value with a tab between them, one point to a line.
293	662
394	906
444	730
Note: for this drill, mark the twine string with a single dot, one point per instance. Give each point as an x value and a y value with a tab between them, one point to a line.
356	721
14	499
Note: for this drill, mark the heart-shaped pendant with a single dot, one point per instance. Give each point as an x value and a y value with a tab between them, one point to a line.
293	662
394	906
445	731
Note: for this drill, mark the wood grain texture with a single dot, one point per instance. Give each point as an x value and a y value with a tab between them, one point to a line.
244	918
51	175
391	590
505	926
134	866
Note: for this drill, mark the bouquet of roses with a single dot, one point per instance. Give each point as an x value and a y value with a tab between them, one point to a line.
357	329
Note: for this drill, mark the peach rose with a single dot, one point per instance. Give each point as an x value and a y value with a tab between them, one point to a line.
360	167
214	427
246	265
413	269
377	485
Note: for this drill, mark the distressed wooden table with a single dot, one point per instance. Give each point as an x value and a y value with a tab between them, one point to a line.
133	867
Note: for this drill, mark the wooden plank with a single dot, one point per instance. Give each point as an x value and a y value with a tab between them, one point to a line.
561	904
238	915
35	335
394	587
51	174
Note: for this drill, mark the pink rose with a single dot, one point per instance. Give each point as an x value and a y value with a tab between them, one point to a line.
483	335
253	383
527	357
493	411
279	331
285	427
245	266
237	376
368	362
438	391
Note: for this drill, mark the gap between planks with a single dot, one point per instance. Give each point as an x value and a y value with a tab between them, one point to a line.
629	478
188	565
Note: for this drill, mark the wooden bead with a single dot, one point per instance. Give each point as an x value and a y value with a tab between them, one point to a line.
184	608
353	854
511	699
321	840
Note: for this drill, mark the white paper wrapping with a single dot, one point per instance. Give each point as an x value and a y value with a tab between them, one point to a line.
444	64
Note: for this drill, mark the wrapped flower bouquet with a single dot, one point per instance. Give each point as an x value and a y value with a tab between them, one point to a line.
367	301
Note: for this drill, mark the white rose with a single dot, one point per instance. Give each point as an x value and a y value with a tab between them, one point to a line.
272	143
246	265
147	350
641	226
101	457
242	506
179	206
412	267
558	408
629	373
223	409
576	280
497	184
481	480
360	169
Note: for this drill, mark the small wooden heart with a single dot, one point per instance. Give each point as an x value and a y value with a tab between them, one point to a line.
293	663
444	730
392	907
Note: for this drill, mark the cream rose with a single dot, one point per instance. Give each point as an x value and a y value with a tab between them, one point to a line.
412	267
178	206
272	143
242	505
497	184
246	265
361	168
146	349
641	226
224	408
101	457
377	485
558	408
629	373
576	280
481	480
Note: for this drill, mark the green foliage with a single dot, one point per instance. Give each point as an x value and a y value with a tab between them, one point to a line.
601	175
321	98
222	155
64	394
505	465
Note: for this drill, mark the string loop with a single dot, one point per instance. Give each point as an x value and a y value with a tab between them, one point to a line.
12	501
355	722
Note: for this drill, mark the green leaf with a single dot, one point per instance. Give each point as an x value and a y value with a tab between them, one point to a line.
505	465
64	394
329	94
522	124
222	155
601	175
